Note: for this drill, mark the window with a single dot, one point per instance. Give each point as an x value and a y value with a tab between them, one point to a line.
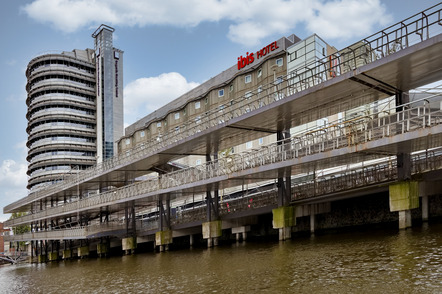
221	93
248	79
116	54
249	144
177	115
159	124
142	134
261	141
248	95
197	105
278	80
279	62
259	72
127	141
231	87
198	162
259	89
198	119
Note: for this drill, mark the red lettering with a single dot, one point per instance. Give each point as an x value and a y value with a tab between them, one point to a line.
251	58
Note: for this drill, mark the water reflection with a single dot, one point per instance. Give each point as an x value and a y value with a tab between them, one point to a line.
385	261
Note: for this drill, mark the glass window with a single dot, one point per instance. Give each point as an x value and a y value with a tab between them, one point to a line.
198	162
249	144
248	79
278	80
259	72
261	141
279	62
142	134
127	141
177	115
159	124
231	87
248	95
259	89
221	93
197	105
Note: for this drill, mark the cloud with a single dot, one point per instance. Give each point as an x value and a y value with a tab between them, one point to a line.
251	21
346	19
13	174
146	95
13	180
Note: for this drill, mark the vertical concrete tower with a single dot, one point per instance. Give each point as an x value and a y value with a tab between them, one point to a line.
109	91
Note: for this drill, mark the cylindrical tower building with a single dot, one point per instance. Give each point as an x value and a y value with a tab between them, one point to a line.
61	115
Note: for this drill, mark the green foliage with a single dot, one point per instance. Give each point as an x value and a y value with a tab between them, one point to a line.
20	229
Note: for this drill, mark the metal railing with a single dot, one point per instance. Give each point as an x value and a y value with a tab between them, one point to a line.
333	137
381	172
384	43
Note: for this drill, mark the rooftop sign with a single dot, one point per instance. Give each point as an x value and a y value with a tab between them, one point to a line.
250	58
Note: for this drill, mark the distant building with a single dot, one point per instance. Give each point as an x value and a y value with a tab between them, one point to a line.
2	242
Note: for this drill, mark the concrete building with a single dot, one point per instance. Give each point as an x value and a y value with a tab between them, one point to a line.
2	242
263	119
68	93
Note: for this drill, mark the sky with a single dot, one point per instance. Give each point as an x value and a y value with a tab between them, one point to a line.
170	47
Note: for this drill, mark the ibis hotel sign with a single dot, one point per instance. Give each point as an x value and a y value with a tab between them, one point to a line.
250	57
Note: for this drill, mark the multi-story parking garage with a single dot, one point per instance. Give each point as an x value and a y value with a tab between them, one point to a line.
61	115
379	147
75	109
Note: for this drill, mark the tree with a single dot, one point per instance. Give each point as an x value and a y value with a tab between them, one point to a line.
20	229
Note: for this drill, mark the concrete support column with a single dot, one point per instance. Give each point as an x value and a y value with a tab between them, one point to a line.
103	249
129	245
211	231
283	220
312	223
241	232
425	208
163	239
53	256
83	251
404	219
191	240
67	254
41	258
404	196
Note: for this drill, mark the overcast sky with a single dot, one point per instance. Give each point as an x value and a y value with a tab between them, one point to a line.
170	46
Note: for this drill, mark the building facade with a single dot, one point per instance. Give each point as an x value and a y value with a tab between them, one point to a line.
68	93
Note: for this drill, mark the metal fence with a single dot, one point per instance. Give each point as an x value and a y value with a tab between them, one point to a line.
395	38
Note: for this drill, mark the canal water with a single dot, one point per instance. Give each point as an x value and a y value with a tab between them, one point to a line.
369	261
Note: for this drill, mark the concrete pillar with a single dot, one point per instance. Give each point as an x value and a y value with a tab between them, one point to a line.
67	254
103	249
404	196
211	231
312	223
53	256
191	240
425	208
41	258
283	220
83	251
163	239
241	232
129	244
404	219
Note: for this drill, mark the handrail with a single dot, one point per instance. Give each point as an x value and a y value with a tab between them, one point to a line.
238	107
